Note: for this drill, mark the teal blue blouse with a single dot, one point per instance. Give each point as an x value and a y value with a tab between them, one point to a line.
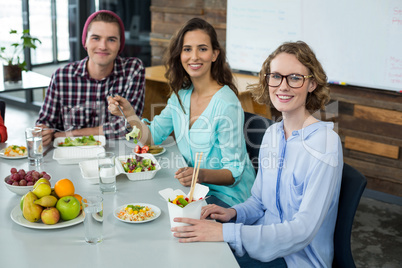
218	133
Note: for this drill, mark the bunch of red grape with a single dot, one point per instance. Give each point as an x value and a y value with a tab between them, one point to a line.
22	178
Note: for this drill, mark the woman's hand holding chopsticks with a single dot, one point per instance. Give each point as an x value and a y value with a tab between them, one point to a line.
185	175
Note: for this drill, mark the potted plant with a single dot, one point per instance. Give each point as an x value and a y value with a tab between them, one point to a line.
13	68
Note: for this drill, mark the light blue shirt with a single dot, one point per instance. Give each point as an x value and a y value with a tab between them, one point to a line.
294	203
218	133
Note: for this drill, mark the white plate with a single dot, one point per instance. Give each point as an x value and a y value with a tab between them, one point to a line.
89	171
154	208
18	218
74	155
100	138
163	151
11	157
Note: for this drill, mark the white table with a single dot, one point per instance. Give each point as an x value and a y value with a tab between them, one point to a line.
30	81
125	245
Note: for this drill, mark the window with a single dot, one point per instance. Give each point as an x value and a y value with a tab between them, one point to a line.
48	21
10	19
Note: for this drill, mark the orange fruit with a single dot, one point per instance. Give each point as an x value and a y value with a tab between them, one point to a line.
64	187
79	198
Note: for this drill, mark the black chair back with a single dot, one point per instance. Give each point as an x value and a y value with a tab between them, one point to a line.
254	130
2	109
352	187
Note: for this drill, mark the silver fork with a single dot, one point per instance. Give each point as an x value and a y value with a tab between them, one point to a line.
127	126
56	129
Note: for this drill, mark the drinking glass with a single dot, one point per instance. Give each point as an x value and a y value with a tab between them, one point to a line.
107	173
93	222
33	136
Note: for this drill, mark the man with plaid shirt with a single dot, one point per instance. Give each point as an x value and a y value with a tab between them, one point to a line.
76	100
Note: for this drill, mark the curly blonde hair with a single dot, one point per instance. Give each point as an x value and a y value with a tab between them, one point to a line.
315	100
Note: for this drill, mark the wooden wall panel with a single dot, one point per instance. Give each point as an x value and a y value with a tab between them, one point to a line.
372	147
343	132
375	170
216	4
371	158
377	114
169	16
178	10
369	97
369	126
370	129
178	3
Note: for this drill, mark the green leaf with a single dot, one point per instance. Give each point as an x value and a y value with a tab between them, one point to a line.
11	54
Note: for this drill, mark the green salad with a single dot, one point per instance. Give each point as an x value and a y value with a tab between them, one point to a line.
84	141
138	164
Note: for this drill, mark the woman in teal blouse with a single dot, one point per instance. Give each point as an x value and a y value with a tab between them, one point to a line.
204	113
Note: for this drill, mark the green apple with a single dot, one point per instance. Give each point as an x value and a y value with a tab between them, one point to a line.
50	215
41	190
22	202
69	207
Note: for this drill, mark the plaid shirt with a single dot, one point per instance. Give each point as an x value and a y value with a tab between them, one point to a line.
74	100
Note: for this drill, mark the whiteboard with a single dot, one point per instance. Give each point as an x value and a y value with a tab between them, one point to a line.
358	42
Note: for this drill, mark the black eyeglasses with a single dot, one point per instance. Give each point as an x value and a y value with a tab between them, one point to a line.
293	80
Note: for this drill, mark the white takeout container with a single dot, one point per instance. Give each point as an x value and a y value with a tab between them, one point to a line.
192	210
100	138
89	169
90	172
75	155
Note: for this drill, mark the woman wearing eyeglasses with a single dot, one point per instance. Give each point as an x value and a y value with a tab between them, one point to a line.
290	218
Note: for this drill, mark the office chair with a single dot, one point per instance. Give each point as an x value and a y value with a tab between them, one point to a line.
254	130
2	109
352	187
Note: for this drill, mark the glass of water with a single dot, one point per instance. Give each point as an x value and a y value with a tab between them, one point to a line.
107	173
93	222
33	136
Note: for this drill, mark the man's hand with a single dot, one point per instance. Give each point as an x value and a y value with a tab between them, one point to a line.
123	103
199	230
218	213
47	134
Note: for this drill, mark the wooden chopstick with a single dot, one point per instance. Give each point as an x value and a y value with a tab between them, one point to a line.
195	175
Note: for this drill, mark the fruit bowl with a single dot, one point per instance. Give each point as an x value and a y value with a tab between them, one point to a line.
20	190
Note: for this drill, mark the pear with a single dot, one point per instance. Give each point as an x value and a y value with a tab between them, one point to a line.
42	189
41	180
31	211
46	201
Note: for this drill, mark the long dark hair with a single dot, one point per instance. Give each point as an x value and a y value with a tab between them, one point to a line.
177	77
